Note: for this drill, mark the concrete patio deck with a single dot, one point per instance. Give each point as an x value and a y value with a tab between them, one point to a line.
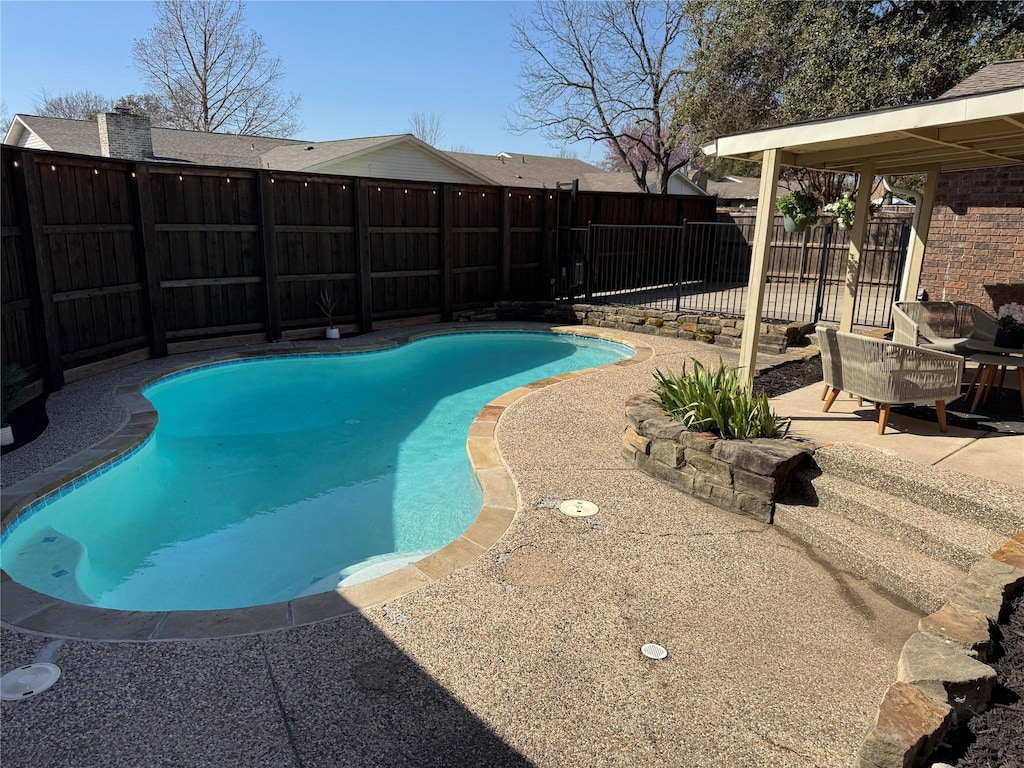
529	655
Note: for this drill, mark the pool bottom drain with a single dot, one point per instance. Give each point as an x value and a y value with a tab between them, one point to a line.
26	681
578	508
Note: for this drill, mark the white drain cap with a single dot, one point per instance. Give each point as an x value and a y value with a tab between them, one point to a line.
27	681
653	651
578	508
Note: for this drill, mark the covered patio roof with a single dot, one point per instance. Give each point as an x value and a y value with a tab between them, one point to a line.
977	124
948	134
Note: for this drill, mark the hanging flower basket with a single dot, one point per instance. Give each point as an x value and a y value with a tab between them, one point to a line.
799	210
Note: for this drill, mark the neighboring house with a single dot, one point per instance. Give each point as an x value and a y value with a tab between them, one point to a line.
400	156
743	191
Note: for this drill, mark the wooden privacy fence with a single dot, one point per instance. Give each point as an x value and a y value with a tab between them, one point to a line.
106	258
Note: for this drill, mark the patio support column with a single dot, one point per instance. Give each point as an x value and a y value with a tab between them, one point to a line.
857	232
763	226
919	238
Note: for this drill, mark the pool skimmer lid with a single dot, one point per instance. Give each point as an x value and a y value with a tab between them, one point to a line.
578	508
27	681
653	651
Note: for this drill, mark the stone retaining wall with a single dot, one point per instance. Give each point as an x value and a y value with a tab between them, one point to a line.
745	476
941	677
712	329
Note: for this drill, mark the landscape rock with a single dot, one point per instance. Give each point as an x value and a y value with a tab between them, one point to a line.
928	660
966	629
908	725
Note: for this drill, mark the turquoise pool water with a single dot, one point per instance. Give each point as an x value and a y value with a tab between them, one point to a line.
274	478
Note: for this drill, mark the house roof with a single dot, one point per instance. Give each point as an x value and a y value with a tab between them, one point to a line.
1000	76
232	150
81	137
952	133
744	187
509	170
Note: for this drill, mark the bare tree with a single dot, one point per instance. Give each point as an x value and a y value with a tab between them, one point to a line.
6	118
461	147
427	127
596	71
211	73
567	154
147	104
76	105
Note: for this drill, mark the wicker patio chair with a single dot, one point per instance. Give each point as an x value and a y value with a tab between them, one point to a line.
942	325
887	373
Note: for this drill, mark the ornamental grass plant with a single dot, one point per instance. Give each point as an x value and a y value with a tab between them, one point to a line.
719	402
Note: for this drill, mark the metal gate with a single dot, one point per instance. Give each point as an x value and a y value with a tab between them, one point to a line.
704	267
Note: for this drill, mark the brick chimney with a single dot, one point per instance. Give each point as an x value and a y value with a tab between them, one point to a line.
124	135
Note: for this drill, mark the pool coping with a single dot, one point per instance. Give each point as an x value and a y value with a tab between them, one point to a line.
25	609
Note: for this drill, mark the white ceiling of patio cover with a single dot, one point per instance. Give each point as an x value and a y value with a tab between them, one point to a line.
945	134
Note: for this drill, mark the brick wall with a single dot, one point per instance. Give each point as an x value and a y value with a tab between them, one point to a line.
976	244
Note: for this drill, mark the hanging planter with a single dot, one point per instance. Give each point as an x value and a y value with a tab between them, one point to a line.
799	210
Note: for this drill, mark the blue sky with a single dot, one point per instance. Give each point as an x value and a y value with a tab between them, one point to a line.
362	68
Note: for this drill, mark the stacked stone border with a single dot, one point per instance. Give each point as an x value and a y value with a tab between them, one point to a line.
709	328
28	610
941	677
745	476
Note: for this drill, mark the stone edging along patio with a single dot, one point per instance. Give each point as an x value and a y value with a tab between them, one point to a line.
28	610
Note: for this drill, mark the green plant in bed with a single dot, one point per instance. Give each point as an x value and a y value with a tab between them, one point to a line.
717	401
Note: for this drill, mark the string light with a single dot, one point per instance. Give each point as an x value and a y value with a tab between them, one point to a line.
16	164
180	178
95	172
53	167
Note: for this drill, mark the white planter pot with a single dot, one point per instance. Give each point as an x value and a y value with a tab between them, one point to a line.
333	333
6	435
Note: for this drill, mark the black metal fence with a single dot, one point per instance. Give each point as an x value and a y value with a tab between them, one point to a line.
704	267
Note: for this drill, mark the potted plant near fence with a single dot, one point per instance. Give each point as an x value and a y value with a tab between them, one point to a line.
799	210
1010	326
13	384
844	207
326	305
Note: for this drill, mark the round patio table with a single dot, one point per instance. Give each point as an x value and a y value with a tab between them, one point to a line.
990	359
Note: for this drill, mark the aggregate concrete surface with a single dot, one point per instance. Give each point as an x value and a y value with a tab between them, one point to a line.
529	656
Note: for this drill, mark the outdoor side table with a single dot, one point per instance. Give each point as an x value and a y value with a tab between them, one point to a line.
990	359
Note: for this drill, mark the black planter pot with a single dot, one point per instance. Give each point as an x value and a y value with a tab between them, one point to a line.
1010	339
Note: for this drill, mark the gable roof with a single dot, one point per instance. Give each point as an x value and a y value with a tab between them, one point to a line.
744	188
313	156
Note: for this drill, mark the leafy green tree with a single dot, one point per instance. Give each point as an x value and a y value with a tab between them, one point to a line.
757	64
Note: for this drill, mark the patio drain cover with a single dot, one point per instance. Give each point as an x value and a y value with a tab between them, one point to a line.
27	681
653	651
578	508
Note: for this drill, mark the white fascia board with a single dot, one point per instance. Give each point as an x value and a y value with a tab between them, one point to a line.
841	129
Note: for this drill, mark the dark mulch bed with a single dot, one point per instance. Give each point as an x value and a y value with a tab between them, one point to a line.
995	738
27	422
794	374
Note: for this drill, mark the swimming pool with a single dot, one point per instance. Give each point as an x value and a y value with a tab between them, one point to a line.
274	478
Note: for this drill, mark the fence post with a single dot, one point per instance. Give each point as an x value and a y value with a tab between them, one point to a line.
680	254
364	264
506	244
40	270
146	239
447	256
588	262
268	247
826	253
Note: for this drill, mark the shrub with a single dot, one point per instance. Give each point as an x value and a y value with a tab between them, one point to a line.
719	402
